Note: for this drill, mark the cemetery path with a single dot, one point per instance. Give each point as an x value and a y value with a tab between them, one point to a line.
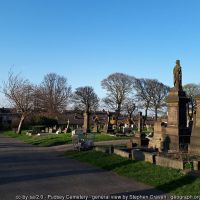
27	171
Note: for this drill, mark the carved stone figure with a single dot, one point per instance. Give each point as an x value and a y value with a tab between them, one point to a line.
177	75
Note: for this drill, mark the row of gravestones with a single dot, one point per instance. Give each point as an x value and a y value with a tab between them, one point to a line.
108	127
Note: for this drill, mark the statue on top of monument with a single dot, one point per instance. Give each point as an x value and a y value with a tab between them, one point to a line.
177	75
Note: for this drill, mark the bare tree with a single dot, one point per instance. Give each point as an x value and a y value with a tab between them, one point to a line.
20	94
53	94
85	99
118	87
158	92
192	90
129	107
151	94
143	94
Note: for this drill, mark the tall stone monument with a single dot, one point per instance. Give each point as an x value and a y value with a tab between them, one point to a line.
108	126
140	122
176	131
96	124
194	147
137	137
86	122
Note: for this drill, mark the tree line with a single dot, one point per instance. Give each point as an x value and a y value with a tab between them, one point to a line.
124	93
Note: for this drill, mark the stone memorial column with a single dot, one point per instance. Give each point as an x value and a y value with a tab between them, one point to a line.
140	122
194	147
177	131
86	122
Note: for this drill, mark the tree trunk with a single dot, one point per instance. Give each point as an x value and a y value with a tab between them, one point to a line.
130	116
20	124
118	114
156	113
146	113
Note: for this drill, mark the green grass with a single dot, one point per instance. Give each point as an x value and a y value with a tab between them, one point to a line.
165	179
107	137
49	140
53	140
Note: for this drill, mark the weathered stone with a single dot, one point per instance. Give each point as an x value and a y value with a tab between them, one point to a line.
137	139
177	133
121	153
196	165
194	147
96	124
136	154
177	75
159	136
108	128
167	162
86	122
140	122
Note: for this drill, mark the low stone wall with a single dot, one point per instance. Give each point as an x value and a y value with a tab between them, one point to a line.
121	153
101	149
136	154
167	162
108	149
140	155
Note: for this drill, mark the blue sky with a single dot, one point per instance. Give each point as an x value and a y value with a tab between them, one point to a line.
86	40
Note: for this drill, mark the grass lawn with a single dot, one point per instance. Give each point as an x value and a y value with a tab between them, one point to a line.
48	140
52	140
165	179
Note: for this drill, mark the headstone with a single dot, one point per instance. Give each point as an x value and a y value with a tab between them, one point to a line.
177	131
50	130
58	131
194	147
77	132
158	137
65	130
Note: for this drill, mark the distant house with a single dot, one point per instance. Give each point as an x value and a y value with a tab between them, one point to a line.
8	117
75	119
71	117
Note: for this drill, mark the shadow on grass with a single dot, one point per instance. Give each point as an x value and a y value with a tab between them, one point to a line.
118	165
173	185
166	189
181	184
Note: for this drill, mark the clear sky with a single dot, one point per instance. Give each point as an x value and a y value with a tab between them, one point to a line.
86	40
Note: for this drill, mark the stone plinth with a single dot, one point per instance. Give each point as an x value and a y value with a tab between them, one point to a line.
194	147
176	130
